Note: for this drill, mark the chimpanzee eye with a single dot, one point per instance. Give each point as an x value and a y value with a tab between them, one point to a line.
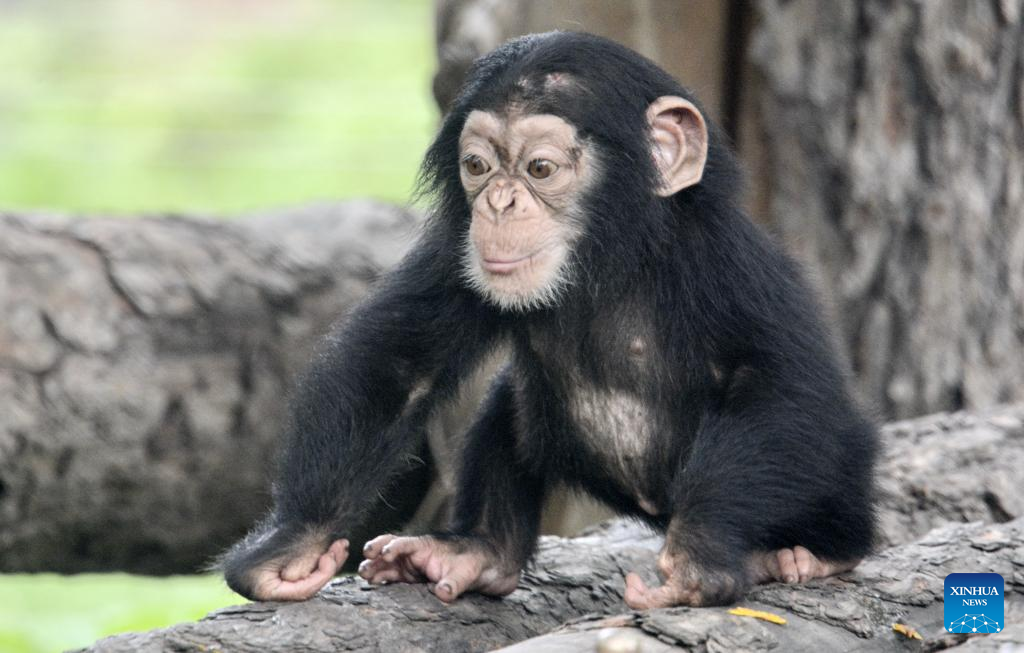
541	168
475	165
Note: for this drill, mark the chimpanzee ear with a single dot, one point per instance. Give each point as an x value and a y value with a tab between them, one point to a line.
679	139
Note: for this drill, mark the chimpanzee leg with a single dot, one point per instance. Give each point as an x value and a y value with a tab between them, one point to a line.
495	522
762	495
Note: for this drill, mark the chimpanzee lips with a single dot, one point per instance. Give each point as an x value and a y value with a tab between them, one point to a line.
505	264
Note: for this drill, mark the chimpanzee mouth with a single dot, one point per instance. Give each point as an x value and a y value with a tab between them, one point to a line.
506	265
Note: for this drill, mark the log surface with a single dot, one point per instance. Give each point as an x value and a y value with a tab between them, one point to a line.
143	369
573	593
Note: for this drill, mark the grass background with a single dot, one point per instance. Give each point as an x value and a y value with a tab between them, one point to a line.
222	106
47	612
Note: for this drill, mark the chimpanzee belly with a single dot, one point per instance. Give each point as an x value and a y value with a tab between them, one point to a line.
615	425
612	425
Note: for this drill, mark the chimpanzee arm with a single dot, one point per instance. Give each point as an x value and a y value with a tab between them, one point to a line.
356	413
495	522
765	474
499	498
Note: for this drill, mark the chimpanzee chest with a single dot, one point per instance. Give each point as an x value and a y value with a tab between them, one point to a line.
614	424
607	386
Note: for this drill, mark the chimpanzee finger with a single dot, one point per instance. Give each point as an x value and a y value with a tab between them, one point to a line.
765	567
367	568
403	546
458	579
301	567
372	548
391	575
805	563
339	551
300	590
304	565
787	566
379	570
636	591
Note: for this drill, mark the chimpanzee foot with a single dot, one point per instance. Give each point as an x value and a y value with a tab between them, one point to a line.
449	567
795	565
691	584
685	584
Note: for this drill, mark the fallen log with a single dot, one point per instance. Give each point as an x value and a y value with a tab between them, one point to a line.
854	612
143	368
951	467
954	461
582	578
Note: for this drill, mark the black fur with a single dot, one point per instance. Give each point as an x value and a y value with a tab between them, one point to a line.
756	442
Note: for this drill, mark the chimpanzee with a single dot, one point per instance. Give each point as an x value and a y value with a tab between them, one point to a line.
664	355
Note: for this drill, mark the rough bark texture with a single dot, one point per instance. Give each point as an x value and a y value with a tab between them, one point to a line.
570	581
956	467
854	612
467	29
580	580
143	366
889	137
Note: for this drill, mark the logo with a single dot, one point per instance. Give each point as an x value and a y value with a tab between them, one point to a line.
974	603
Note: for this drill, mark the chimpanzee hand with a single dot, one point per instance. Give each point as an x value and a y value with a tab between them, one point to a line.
298	578
449	567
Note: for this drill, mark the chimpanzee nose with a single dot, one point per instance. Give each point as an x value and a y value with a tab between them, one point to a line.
501	197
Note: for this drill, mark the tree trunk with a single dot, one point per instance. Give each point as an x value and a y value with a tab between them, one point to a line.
582	578
889	139
143	365
467	29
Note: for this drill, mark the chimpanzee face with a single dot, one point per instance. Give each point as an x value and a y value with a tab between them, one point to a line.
524	175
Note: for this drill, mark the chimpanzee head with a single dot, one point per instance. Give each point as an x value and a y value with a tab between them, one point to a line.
559	147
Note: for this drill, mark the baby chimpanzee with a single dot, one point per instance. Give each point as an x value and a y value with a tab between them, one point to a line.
666	357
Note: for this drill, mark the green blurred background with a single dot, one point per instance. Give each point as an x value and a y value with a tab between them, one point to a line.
211	105
222	106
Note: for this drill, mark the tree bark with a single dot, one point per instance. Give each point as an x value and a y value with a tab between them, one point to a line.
950	467
888	139
467	29
582	578
143	366
854	612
